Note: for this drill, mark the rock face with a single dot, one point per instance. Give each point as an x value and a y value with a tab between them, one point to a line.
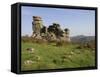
52	33
36	26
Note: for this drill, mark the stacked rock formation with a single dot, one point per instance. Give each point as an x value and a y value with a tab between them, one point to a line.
52	33
37	25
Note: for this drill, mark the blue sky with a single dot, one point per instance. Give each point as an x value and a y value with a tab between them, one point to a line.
80	22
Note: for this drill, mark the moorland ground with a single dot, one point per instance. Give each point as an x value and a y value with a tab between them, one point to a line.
50	56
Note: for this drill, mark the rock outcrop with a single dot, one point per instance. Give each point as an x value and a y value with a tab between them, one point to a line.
52	33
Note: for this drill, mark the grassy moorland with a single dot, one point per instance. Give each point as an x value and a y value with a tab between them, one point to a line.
50	56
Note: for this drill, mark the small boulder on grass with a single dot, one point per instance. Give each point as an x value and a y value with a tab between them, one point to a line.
71	53
30	50
38	58
69	56
65	58
28	62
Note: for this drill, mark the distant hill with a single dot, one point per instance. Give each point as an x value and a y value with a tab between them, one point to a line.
82	39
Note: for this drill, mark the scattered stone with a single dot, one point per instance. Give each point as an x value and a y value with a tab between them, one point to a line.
28	62
30	50
66	58
38	58
71	53
69	56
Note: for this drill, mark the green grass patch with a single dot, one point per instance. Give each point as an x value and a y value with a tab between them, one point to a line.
49	56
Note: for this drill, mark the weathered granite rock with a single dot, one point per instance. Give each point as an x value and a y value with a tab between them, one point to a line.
52	33
37	24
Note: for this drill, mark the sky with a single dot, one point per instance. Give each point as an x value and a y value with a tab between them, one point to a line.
79	22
